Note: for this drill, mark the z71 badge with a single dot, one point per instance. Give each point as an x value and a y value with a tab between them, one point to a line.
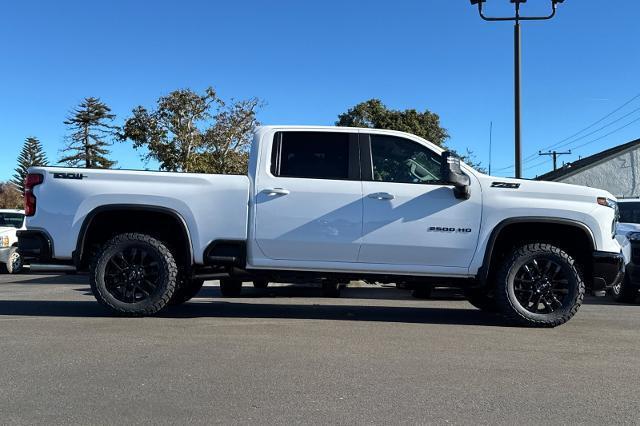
507	185
58	175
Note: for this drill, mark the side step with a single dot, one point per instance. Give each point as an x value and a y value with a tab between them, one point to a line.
222	260
41	267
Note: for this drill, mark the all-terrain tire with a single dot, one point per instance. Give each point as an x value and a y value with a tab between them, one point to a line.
482	298
505	294
624	292
186	290
14	262
230	287
165	267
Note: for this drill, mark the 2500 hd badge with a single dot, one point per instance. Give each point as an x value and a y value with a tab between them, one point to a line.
446	229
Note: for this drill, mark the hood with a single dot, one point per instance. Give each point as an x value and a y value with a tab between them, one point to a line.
7	229
546	189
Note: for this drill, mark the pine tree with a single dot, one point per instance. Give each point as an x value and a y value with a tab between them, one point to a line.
31	155
90	125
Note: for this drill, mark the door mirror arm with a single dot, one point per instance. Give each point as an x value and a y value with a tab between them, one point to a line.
453	175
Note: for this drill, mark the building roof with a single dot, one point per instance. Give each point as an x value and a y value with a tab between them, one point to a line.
586	162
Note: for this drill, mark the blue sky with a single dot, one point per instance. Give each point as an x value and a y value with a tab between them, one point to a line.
310	61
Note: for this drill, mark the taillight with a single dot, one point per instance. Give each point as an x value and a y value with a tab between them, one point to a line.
32	180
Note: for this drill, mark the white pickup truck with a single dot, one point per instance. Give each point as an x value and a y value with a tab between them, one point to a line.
328	204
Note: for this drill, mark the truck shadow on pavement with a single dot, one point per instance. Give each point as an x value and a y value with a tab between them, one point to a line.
232	309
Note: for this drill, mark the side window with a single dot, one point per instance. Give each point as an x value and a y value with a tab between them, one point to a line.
403	161
316	155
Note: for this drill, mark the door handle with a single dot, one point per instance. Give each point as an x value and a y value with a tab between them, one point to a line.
381	196
276	191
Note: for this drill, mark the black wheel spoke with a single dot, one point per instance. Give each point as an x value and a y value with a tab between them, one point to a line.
554	300
143	255
131	274
541	286
527	269
113	262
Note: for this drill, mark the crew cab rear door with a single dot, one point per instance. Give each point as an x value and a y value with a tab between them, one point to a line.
308	202
410	216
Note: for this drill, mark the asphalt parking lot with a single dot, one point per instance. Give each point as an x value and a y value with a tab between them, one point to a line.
286	355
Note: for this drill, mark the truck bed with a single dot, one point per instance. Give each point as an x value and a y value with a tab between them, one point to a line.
68	195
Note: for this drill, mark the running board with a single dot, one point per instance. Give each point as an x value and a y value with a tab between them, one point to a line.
41	267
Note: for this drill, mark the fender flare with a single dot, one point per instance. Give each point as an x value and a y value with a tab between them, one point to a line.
80	243
483	271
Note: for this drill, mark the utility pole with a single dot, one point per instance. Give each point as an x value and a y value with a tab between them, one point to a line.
517	65
555	155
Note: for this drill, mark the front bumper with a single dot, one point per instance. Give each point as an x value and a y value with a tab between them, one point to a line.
608	270
34	245
4	254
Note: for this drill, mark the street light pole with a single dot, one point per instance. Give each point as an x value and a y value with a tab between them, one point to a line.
517	65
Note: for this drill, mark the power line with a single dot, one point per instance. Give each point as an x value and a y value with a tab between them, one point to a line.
608	134
590	126
590	133
556	144
591	141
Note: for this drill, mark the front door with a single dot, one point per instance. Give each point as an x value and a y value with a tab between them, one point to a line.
309	203
410	216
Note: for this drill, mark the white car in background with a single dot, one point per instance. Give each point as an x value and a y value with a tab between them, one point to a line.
628	235
10	222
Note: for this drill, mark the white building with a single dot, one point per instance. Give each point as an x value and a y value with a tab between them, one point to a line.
616	170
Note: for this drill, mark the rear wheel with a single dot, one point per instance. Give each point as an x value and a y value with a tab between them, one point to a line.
539	286
230	287
133	274
14	263
624	292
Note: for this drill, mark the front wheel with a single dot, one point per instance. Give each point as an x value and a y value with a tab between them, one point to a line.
539	286
133	274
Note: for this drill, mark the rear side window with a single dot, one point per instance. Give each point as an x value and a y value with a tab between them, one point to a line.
316	155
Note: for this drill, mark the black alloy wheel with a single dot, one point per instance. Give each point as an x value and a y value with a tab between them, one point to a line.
541	285
133	274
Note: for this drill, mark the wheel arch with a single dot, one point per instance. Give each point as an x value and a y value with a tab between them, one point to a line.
95	216
499	237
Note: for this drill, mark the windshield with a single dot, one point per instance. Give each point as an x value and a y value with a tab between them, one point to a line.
629	212
12	220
